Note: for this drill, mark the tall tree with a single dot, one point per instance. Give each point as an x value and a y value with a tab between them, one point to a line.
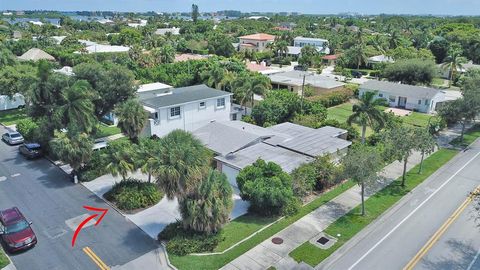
366	112
132	118
453	63
146	156
213	77
195	13
400	142
120	158
72	148
78	108
246	87
184	163
208	208
361	164
426	144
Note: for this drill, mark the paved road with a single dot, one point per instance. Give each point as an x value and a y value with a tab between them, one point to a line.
396	237
47	198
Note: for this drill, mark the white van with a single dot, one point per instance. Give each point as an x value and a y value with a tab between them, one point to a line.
8	103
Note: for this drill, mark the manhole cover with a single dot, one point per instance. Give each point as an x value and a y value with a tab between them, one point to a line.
277	240
323	240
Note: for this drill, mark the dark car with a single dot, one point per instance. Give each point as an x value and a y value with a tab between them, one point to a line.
31	150
15	230
12	138
356	74
300	68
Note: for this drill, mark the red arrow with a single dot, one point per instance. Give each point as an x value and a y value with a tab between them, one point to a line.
79	228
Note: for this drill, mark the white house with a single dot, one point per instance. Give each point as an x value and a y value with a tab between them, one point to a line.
14	102
320	43
410	97
151	90
163	31
186	108
238	144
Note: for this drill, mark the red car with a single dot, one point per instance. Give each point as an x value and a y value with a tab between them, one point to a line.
15	230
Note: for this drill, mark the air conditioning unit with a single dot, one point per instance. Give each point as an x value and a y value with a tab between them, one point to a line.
156	122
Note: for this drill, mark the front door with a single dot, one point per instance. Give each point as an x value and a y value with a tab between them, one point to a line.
402	102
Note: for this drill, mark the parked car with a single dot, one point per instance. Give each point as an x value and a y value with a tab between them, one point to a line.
12	138
31	150
15	230
356	74
300	68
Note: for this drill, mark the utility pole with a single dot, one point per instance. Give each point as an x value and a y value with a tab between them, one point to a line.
303	89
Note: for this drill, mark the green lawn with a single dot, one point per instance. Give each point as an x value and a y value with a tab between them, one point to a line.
3	259
470	136
217	261
438	81
240	228
105	131
352	223
417	119
11	117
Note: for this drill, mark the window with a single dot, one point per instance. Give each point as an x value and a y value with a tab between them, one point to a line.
220	102
426	102
392	98
234	117
202	105
155	115
175	112
380	95
419	102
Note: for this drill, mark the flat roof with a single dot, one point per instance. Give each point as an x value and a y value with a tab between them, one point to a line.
259	36
184	95
152	86
309	39
400	89
295	78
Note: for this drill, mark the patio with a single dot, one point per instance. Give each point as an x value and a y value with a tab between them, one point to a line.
398	111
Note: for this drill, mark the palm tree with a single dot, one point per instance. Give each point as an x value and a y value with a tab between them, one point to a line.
213	77
132	118
359	55
119	155
184	162
226	83
245	87
366	112
74	149
453	63
79	108
395	40
146	156
281	48
208	208
167	54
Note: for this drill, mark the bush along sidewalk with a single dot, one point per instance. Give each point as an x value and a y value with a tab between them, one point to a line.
133	194
352	223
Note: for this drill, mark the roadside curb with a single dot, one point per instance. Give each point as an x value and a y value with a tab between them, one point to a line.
9	266
166	256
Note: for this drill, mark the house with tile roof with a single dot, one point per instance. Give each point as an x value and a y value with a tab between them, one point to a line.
256	42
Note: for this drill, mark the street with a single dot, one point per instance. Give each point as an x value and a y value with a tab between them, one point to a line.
397	237
52	202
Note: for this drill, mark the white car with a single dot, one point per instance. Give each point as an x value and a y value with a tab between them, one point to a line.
12	138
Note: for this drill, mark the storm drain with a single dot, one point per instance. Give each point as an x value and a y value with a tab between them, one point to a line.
323	240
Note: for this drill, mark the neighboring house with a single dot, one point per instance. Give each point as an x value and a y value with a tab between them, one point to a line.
330	60
186	108
238	144
163	31
315	42
189	56
66	70
105	21
101	48
293	81
410	97
137	23
377	59
58	39
255	42
14	102
17	35
35	55
445	72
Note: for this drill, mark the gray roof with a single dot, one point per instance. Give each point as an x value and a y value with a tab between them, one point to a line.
184	95
287	159
35	54
223	139
401	89
295	78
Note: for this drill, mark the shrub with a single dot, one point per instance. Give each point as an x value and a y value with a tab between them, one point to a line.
27	127
303	180
334	98
134	194
182	242
266	186
94	168
412	71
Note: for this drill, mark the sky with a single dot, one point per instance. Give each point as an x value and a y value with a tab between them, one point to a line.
436	7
